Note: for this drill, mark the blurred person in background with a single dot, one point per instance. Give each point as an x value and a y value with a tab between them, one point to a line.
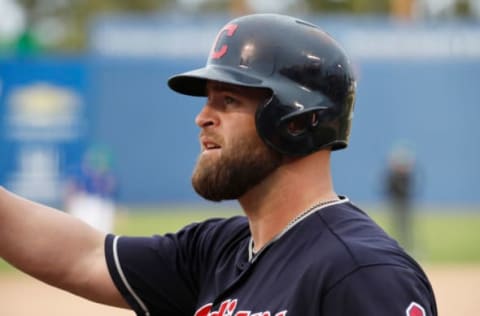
90	192
399	186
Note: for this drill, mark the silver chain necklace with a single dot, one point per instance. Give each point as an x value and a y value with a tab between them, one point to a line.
252	255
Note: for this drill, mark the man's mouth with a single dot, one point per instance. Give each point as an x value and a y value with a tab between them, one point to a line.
209	145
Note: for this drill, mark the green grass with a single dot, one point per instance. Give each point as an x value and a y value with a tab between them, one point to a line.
444	237
439	236
452	237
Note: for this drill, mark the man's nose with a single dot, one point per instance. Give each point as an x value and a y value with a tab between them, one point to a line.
206	117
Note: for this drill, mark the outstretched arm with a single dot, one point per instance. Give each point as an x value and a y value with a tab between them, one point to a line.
56	248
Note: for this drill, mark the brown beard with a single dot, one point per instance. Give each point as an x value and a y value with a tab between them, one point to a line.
241	166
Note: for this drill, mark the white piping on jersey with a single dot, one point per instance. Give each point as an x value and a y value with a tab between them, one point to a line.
253	256
124	279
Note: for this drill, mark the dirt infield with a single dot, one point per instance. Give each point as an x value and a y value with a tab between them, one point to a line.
457	289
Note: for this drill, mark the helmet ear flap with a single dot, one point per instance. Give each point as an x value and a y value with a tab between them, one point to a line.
266	118
301	123
287	129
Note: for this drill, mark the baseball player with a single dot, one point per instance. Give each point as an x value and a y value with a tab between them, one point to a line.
279	99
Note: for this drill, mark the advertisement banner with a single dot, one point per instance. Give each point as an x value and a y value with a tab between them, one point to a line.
43	126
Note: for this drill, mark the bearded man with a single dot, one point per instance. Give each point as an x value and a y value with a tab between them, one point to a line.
279	99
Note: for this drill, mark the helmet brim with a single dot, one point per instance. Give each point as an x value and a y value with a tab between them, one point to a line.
194	82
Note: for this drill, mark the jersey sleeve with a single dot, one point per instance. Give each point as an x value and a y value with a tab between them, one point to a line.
149	274
163	275
158	275
380	290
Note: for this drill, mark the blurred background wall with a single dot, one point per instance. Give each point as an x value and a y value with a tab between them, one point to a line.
76	74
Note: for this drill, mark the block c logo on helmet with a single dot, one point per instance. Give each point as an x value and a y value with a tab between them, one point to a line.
229	30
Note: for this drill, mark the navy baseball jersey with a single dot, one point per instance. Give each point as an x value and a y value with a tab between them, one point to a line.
333	262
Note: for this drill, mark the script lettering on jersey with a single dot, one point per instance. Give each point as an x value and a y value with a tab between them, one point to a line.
230	30
228	308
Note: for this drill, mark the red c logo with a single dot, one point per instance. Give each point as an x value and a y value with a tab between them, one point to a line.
415	309
216	54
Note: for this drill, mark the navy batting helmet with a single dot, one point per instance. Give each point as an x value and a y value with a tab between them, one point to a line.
309	75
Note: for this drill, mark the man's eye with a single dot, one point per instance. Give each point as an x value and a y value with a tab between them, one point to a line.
229	100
